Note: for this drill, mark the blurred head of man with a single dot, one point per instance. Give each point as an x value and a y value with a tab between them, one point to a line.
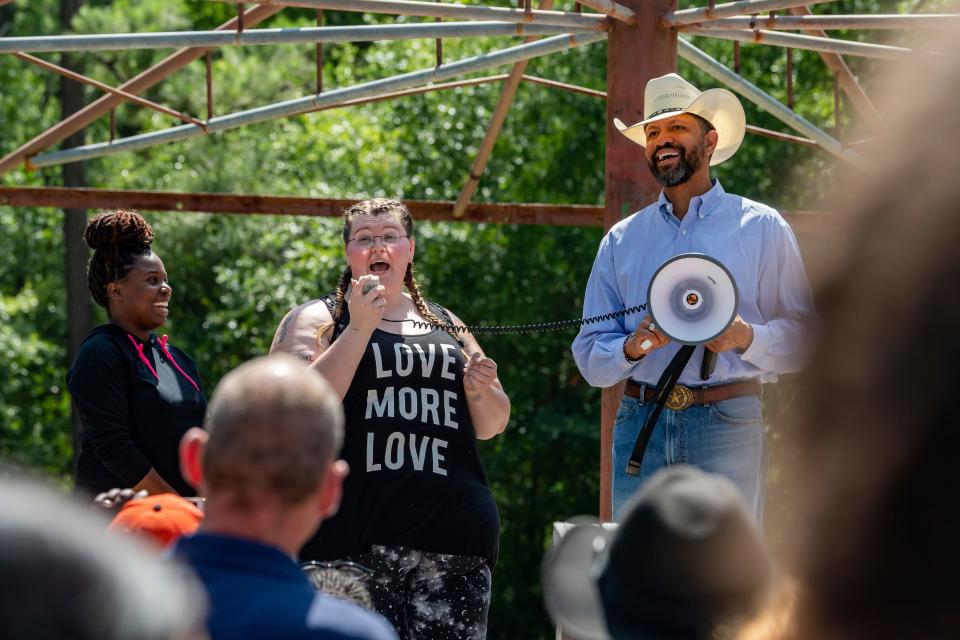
63	577
267	461
685	562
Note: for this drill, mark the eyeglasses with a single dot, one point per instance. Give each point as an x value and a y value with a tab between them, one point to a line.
366	241
352	569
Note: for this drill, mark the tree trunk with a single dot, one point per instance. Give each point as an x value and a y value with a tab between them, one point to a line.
79	311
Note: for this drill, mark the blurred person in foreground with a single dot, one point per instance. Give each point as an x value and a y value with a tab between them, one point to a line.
876	443
268	469
686	563
61	576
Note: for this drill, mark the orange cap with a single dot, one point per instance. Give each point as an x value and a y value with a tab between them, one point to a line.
163	517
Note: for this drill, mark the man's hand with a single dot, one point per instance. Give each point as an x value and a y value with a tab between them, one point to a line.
644	340
738	335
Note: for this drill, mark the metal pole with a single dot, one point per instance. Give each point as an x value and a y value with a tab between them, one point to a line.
445	10
208	68
305	35
304	104
922	21
563	86
635	54
319	54
767	102
593	93
689	16
814	43
493	131
417	91
612	9
861	102
77	121
143	102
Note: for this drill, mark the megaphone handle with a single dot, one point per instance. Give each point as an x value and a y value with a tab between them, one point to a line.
708	364
664	386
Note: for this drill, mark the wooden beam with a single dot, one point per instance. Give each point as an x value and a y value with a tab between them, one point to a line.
246	204
493	129
243	204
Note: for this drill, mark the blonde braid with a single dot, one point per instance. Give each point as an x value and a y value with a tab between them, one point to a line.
421	304
341	292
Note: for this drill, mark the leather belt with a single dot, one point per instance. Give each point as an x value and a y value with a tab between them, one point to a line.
682	397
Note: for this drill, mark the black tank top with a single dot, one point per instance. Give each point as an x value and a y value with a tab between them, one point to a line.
416	478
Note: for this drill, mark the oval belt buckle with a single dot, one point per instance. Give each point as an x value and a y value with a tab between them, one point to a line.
680	398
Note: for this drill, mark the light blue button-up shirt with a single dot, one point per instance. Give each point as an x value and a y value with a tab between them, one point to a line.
755	244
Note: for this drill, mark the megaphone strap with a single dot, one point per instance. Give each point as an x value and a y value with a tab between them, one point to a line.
664	386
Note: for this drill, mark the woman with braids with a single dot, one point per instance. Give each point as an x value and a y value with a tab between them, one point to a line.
135	393
417	514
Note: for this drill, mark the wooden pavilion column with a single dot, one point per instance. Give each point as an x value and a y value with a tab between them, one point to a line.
635	54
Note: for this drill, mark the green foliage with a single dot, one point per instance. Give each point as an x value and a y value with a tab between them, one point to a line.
33	408
234	277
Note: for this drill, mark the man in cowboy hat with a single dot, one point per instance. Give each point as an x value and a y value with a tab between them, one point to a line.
686	562
712	418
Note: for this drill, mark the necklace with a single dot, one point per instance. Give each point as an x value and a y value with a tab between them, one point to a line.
390	320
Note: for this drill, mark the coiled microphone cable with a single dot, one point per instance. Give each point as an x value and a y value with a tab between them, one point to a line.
557	325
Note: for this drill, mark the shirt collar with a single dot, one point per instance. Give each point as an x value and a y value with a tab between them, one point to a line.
703	205
237	553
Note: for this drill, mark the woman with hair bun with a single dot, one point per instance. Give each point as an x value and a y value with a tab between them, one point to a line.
135	393
417	512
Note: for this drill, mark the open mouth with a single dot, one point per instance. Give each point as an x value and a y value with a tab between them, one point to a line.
379	267
161	307
667	155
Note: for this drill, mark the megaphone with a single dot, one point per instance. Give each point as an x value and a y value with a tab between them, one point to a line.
692	298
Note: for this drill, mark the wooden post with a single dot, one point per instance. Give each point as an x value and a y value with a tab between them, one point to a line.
635	54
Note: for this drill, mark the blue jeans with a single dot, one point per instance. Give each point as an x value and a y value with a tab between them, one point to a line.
725	437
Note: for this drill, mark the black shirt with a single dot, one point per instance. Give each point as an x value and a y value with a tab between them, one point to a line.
416	479
133	417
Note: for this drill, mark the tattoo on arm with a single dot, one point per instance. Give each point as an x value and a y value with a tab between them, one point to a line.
306	356
285	324
282	331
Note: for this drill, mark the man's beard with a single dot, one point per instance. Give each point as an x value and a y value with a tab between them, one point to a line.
687	164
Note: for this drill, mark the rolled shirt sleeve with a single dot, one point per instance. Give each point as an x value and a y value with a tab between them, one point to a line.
598	348
780	344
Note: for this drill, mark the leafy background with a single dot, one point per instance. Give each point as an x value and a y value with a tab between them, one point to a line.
234	277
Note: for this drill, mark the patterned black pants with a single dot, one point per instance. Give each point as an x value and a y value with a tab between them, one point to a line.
429	596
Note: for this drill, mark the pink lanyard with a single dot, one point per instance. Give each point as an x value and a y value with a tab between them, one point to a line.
163	347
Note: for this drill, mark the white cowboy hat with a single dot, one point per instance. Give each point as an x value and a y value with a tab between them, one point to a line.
669	95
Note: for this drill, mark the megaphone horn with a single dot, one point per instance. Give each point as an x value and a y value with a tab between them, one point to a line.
692	298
